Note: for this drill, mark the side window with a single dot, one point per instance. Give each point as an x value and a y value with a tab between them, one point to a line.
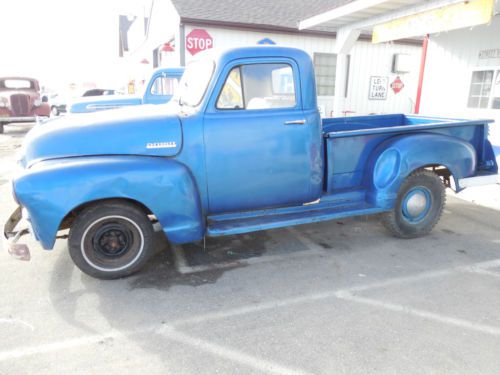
231	96
164	86
496	92
258	86
480	89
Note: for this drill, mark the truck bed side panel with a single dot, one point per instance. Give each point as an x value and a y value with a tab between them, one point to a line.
349	151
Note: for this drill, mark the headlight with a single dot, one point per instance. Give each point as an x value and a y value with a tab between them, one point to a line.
3	102
37	103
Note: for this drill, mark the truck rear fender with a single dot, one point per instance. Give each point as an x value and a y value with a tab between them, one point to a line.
165	187
396	158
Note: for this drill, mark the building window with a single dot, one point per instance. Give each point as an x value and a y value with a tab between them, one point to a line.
484	89
325	66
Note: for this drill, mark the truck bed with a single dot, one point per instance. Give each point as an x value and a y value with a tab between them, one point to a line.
350	126
349	141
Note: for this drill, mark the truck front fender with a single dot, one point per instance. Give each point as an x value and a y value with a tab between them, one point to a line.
50	190
394	159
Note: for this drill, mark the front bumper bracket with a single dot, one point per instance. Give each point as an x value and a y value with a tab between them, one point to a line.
11	237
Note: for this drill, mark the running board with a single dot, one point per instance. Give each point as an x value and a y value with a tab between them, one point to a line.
221	225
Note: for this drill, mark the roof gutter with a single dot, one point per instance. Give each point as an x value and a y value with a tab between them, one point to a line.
281	29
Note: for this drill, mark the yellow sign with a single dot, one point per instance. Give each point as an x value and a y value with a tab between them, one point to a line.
450	17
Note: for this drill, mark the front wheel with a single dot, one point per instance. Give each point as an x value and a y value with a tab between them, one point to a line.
1	128
111	240
419	205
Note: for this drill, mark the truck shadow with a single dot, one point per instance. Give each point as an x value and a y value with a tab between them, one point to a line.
152	299
161	272
123	299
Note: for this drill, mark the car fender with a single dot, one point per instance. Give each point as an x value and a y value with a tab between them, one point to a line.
396	158
52	189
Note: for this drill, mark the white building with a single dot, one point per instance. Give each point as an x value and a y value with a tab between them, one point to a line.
178	29
462	74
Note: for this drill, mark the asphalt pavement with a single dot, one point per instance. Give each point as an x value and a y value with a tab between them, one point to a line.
341	297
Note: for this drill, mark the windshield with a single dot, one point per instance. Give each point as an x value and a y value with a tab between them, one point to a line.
194	82
18	84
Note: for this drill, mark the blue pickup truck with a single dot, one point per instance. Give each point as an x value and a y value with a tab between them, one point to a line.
159	90
240	148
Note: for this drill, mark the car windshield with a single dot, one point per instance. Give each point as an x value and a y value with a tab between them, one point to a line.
194	82
18	84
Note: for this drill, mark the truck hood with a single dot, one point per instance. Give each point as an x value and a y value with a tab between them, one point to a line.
150	130
100	103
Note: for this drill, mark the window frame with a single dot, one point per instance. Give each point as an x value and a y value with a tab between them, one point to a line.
163	76
496	75
239	63
222	89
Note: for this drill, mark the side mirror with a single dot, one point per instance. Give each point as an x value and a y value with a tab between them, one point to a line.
45	99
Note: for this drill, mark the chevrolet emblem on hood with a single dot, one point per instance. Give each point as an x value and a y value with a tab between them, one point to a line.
161	145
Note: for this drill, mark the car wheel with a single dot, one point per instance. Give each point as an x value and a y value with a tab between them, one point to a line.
1	128
419	205
111	240
54	111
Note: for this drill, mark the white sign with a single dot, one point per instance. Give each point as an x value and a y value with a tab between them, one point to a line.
490	54
378	88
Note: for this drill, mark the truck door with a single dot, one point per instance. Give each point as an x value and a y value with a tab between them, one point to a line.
261	149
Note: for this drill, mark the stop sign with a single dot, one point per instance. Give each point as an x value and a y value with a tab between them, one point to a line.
198	40
397	85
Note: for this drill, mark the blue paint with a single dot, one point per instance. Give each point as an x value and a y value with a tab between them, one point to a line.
100	103
266	41
218	172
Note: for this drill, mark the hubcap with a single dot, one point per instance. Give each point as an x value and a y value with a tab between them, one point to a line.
416	204
112	240
112	243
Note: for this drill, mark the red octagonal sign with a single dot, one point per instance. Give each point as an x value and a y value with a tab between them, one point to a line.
397	85
198	40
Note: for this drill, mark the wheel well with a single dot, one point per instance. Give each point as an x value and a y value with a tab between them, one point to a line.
442	171
67	222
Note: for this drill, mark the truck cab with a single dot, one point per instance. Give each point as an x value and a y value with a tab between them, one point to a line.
240	148
159	89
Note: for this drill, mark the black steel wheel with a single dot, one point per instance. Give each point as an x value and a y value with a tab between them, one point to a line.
420	203
111	240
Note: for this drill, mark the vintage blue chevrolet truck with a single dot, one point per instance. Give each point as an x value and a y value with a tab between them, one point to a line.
158	90
240	148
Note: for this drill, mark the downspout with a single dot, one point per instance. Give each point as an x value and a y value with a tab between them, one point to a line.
182	45
425	44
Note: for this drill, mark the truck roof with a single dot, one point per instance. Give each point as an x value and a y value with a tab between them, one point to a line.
18	78
175	70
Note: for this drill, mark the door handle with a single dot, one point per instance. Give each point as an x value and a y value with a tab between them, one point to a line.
295	122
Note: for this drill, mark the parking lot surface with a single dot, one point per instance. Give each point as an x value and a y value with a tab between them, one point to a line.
340	297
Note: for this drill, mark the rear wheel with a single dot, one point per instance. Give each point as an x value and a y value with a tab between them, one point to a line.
1	128
111	240
420	202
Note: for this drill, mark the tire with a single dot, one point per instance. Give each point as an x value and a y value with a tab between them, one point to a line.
1	128
419	205
111	240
